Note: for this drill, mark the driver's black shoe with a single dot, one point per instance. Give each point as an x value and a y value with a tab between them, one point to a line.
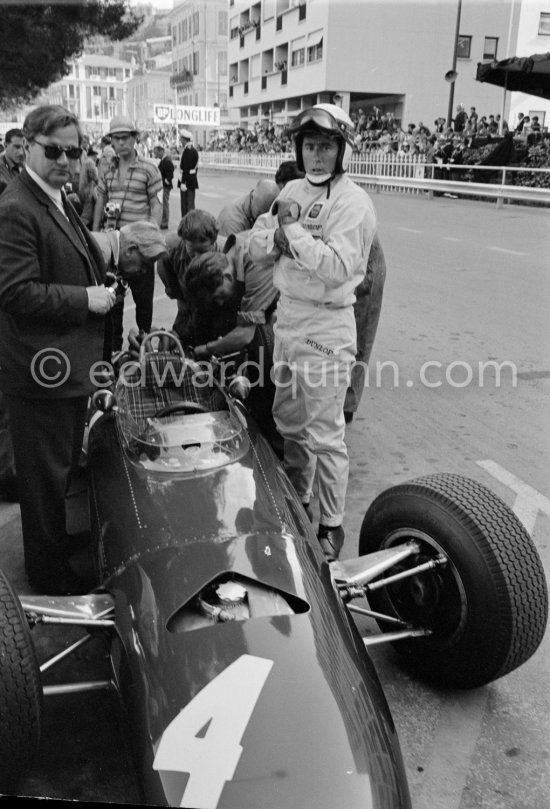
331	540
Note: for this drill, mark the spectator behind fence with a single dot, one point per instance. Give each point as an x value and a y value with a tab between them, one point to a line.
460	118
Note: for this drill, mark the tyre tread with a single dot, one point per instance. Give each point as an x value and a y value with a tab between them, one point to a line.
21	695
509	553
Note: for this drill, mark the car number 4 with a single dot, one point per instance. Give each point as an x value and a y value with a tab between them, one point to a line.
203	740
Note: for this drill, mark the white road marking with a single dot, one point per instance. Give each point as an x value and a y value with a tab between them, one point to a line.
510	252
411	230
452	239
528	501
454	742
213	194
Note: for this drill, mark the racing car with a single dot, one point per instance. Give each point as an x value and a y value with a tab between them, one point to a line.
233	645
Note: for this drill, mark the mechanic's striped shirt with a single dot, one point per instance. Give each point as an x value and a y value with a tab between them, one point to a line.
141	185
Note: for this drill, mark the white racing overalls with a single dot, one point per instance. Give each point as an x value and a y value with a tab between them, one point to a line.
315	335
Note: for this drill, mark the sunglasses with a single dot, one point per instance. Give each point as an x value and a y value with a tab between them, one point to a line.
54	152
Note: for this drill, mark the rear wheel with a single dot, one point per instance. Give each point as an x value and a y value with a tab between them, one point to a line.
20	691
486	606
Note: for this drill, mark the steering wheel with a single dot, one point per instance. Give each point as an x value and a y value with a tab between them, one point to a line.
180	407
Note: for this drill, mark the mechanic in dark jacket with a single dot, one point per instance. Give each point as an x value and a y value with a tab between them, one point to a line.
188	183
53	303
166	168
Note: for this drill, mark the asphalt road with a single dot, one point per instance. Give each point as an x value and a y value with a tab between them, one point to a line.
459	383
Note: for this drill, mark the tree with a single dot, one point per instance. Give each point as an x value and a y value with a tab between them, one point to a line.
38	41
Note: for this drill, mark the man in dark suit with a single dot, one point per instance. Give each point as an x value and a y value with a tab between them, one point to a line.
166	168
188	183
53	302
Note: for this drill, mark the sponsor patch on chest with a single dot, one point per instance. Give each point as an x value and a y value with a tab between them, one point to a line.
315	210
311	223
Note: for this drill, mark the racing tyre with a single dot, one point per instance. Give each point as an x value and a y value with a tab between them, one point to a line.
20	691
486	606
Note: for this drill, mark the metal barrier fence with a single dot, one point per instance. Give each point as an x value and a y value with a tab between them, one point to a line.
406	175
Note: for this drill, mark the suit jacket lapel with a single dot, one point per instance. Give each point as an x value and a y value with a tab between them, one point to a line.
86	241
87	248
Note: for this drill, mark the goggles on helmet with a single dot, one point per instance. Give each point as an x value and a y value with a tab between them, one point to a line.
318	119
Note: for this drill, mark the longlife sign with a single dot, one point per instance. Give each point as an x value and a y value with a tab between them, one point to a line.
198	116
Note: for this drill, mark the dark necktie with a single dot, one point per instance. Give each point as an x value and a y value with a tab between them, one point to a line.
76	224
73	218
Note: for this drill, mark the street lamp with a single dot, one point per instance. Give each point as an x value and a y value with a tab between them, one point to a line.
451	75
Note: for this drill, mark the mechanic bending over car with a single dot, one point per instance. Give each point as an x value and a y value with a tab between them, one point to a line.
53	302
197	234
214	279
240	214
128	253
320	231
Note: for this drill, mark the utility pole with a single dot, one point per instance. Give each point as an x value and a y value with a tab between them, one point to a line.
452	73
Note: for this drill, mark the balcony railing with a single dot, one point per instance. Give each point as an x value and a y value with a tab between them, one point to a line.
183	80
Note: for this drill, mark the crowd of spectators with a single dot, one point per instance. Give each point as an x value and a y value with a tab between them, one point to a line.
377	131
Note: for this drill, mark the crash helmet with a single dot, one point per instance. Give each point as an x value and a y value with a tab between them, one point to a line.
327	119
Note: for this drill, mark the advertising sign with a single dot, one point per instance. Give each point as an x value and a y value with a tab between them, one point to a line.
186	116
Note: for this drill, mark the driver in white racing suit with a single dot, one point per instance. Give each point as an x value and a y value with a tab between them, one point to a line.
321	230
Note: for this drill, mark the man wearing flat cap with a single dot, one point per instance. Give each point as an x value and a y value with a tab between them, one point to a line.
129	253
188	182
130	186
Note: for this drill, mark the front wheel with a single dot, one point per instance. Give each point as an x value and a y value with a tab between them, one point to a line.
486	605
20	692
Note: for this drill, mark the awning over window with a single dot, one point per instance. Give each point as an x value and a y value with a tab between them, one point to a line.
526	74
315	39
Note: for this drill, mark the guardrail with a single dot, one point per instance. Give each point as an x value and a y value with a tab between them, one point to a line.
404	176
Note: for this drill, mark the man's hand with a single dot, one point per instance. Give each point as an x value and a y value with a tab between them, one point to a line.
101	299
286	211
201	353
135	339
281	243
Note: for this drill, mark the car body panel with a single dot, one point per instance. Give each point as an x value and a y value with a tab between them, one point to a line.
317	732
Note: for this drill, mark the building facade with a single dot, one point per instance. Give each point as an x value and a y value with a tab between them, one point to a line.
144	90
285	55
533	37
199	57
94	89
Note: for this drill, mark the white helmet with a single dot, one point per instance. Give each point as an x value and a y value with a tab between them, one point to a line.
327	119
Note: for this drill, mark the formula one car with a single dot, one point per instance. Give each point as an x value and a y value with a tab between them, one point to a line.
233	647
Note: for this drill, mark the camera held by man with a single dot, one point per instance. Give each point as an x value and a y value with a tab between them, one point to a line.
112	212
